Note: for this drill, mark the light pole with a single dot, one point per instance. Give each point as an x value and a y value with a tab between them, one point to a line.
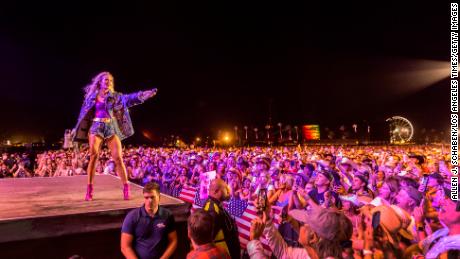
281	131
257	135
246	132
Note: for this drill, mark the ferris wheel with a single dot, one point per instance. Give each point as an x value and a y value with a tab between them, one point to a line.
401	130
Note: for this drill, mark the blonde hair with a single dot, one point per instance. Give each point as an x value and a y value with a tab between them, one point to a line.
95	84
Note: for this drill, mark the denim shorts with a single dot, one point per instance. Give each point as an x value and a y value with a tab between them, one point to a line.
102	129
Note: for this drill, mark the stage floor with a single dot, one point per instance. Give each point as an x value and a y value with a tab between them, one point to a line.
22	198
45	207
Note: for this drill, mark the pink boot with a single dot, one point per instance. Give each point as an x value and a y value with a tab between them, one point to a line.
126	191
89	193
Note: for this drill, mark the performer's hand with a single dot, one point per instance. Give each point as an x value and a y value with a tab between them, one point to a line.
149	93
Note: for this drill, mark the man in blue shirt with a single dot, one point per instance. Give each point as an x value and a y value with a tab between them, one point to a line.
149	231
323	185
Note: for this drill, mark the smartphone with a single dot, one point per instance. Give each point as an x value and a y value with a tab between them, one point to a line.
376	220
262	199
423	183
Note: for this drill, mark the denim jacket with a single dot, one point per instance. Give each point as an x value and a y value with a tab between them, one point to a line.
117	106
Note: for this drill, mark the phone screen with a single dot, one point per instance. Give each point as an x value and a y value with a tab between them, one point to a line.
423	183
262	199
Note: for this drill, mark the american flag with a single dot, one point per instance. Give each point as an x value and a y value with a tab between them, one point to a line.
175	192
243	221
188	193
236	207
198	201
191	195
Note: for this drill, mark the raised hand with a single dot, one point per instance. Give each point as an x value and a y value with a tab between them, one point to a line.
149	93
419	214
338	189
257	228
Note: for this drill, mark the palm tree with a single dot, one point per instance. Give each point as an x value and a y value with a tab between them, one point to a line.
267	127
296	133
289	130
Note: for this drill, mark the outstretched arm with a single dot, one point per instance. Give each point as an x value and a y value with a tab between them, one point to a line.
148	94
139	97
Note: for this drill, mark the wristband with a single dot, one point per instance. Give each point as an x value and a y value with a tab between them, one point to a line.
367	252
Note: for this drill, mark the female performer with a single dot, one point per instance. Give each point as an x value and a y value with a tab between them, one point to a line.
104	116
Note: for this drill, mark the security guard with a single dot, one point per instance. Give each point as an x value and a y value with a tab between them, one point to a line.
225	230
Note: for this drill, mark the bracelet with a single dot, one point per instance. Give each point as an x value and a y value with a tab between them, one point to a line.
367	252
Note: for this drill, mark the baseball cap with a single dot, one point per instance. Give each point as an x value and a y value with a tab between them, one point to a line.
393	221
406	220
328	224
326	174
263	159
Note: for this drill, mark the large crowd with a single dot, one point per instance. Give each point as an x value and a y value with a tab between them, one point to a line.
409	187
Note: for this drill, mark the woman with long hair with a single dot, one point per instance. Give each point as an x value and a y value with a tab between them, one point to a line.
104	116
388	192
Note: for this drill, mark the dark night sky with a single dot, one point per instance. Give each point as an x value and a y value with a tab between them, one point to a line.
220	64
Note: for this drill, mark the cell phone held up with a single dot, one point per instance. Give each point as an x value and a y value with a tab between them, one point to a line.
262	200
423	184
